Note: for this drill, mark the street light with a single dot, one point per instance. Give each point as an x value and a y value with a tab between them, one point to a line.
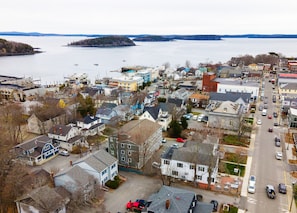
293	194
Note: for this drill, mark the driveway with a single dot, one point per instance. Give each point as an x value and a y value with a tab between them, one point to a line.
140	186
135	187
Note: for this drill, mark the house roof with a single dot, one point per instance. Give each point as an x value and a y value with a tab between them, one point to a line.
180	200
176	101
45	199
167	107
38	141
76	174
59	129
154	111
108	105
293	111
198	153
199	96
98	160
289	86
230	96
104	111
287	75
138	131
228	107
89	119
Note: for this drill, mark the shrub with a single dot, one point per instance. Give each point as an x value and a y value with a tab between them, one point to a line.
113	184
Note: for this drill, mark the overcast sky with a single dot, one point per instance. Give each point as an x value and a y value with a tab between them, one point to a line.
150	17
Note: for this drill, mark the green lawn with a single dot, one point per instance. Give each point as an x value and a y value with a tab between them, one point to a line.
228	168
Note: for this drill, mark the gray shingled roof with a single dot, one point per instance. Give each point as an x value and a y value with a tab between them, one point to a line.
154	111
230	96
180	200
60	129
98	160
77	174
198	153
44	198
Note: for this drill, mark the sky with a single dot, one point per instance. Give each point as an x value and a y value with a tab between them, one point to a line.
159	17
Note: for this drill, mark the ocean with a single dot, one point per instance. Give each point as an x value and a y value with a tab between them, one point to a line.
59	61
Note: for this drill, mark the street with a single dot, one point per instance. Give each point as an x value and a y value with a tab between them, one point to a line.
265	166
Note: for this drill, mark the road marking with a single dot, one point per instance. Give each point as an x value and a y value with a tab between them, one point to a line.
251	200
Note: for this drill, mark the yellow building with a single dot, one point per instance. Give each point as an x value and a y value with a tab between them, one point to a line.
130	83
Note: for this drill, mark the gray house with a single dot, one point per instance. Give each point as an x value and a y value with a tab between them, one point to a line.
225	115
135	143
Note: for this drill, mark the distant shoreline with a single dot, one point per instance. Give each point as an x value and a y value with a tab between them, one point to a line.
171	36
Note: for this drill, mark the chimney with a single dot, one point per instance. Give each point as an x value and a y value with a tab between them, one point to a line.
167	204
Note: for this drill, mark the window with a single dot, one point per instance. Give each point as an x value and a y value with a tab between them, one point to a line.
122	145
122	152
175	173
199	177
166	162
180	165
122	158
192	166
129	153
201	168
129	146
129	160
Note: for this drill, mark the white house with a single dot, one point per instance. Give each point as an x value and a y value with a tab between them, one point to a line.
66	136
84	174
90	125
100	164
193	162
238	85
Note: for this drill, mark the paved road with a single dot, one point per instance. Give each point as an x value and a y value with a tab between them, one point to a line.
265	167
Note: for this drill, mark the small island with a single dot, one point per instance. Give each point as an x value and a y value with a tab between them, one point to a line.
11	48
152	38
106	41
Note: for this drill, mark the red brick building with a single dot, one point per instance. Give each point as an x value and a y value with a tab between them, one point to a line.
208	82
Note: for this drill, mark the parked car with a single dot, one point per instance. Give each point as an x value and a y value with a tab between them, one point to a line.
180	140
270	129
282	188
200	117
215	205
252	188
164	140
279	155
259	122
134	206
269	116
141	202
64	153
270	192
261	107
277	141
275	114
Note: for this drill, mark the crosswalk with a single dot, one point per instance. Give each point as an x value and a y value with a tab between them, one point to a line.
251	200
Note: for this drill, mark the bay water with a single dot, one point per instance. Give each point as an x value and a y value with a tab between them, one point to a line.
58	61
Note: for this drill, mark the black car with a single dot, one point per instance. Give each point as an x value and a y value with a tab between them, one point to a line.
282	188
215	205
277	141
275	114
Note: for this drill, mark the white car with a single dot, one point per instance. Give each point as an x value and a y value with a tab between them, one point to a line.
259	122
64	153
279	155
252	188
200	117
